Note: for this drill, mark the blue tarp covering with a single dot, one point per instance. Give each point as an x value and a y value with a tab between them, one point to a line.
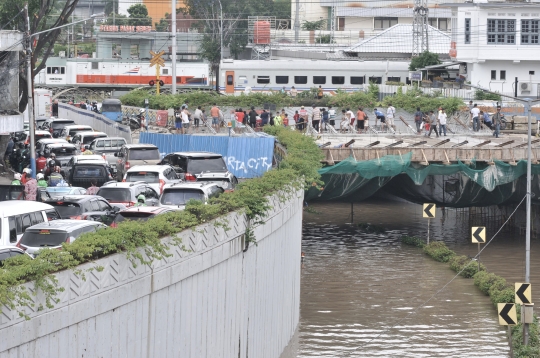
246	157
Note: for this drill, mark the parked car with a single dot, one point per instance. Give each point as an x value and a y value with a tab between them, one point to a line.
131	155
40	121
139	213
60	191
8	251
24	136
69	131
155	175
53	234
82	174
226	180
56	125
78	159
84	138
18	215
63	151
85	207
189	165
127	193
176	196
106	147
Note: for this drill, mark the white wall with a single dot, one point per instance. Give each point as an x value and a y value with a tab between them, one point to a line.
212	301
480	75
309	11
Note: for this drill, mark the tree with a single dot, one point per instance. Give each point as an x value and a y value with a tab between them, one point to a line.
313	25
138	15
163	24
425	59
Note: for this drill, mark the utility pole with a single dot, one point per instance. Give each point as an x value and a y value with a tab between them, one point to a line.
297	22
528	223
173	47
30	89
420	27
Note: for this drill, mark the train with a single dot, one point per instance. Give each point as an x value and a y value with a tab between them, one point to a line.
274	75
235	76
118	73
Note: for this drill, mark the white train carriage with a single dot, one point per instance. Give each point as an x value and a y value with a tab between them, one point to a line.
92	72
260	76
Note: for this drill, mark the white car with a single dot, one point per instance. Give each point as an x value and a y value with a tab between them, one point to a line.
69	131
176	196
157	176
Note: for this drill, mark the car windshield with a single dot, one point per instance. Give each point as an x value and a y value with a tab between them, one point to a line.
65	210
135	216
116	195
64	151
90	138
111	107
144	154
149	177
41	136
60	125
43	238
89	171
58	190
204	165
181	196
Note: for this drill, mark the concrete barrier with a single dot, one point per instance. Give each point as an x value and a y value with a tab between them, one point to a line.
213	300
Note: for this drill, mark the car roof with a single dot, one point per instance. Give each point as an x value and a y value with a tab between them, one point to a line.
52	140
145	209
114	138
16	207
88	157
61	120
111	101
61	145
197	154
59	188
140	145
75	198
148	168
185	185
64	224
115	184
84	134
10	247
78	126
39	132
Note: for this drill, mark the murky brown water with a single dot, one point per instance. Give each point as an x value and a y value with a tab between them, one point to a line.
360	291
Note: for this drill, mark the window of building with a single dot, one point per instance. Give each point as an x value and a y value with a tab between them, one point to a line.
501	31
282	80
263	79
502	75
300	80
356	80
493	74
338	80
341	24
443	24
438	23
467	31
531	72
319	80
529	32
381	23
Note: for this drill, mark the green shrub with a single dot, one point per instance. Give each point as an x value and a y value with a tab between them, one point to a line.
485	280
438	251
506	295
465	266
413	241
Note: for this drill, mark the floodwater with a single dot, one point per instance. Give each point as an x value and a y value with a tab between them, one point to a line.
367	295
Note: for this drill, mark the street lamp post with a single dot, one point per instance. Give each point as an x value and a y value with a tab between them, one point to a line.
173	47
30	80
221	32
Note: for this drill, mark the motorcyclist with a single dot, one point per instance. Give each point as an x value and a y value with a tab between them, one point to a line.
41	180
27	174
41	163
25	155
141	200
14	158
55	178
16	179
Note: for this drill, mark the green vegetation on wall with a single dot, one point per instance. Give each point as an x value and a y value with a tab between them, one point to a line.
297	169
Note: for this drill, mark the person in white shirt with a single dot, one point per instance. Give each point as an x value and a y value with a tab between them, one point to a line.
442	122
331	116
185	120
293	92
390	114
197	116
475	114
350	116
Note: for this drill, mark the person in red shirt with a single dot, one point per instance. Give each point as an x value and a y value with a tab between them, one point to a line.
360	119
240	116
41	163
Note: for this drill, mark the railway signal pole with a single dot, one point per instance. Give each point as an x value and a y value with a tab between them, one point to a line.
157	61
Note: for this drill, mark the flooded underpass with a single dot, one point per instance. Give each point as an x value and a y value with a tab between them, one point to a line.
362	293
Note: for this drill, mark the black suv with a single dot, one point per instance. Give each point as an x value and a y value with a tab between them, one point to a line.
56	125
85	207
82	174
189	165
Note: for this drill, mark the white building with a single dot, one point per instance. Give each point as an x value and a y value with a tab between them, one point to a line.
499	41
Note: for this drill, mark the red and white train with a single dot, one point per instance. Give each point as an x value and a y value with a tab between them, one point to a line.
107	73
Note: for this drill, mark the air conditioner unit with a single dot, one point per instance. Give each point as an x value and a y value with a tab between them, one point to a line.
525	86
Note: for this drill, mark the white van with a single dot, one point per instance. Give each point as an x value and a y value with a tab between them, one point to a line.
18	215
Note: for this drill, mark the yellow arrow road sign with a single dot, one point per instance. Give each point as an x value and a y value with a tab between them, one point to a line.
507	314
429	210
478	234
523	293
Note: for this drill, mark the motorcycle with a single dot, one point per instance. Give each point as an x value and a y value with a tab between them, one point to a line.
134	122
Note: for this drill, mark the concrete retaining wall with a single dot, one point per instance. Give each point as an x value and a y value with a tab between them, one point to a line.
213	300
